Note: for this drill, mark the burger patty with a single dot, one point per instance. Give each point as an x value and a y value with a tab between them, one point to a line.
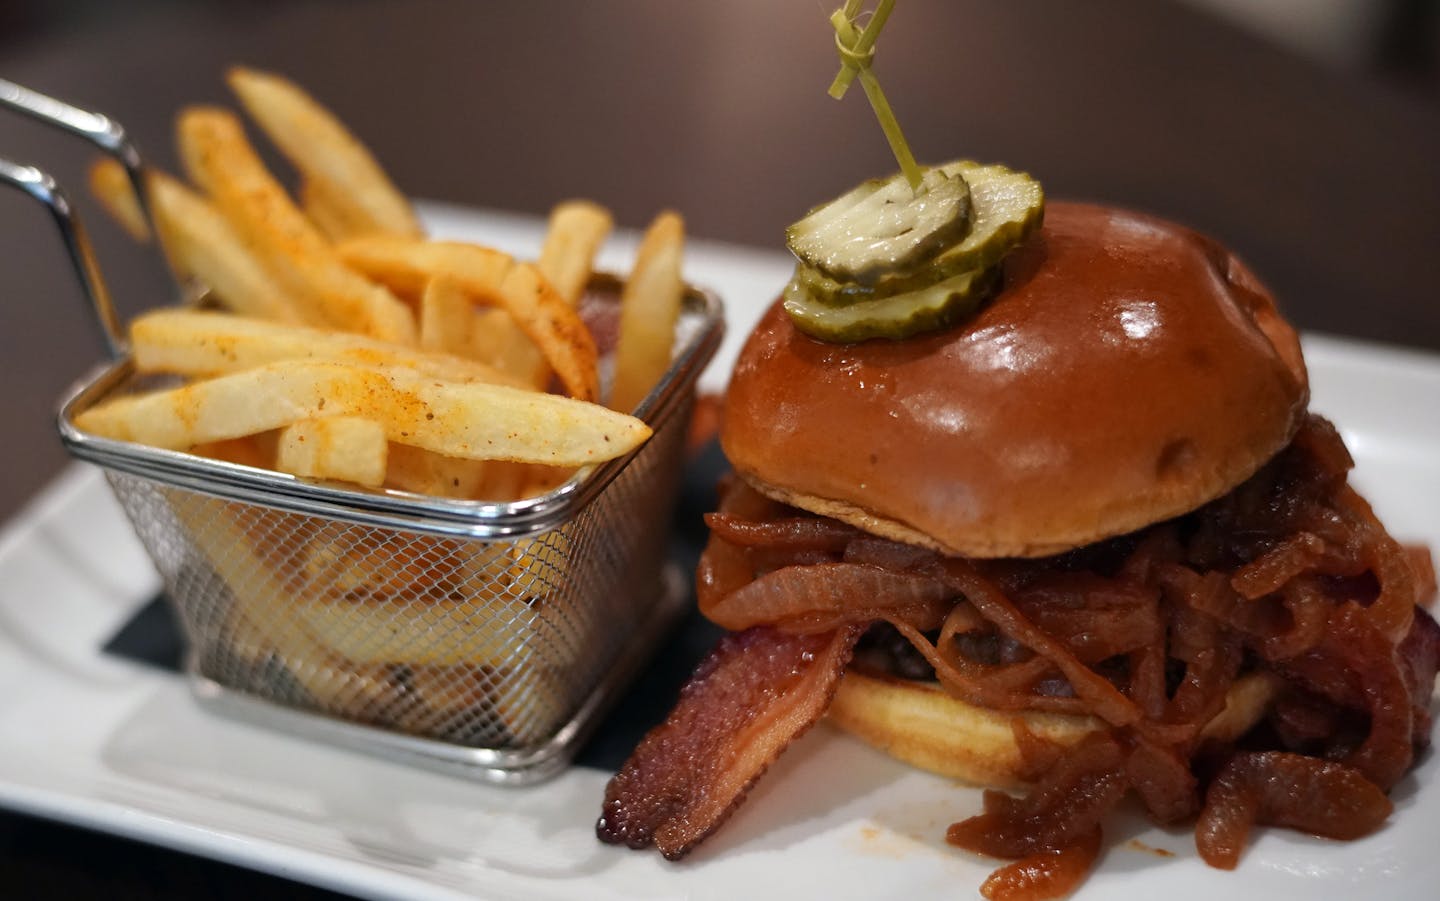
1290	574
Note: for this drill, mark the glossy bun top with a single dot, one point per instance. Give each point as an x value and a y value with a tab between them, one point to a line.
1130	371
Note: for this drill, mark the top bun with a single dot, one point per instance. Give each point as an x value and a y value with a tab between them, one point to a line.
1130	371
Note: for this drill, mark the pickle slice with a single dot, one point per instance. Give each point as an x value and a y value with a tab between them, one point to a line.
929	308
883	226
1006	206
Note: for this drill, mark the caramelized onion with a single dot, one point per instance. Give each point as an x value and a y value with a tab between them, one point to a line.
1290	577
799	533
1064	807
1044	874
1105	699
1279	565
1317	796
834	591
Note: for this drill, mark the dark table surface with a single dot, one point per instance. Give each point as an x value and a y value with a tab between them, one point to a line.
1326	182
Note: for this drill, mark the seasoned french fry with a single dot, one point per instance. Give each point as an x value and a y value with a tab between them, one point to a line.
408	265
221	160
555	328
264	607
576	230
420	471
469	420
446	316
504	481
200	244
326	152
494	279
481	606
529	696
544	479
649	309
252	450
374	566
110	184
383	630
197	343
499	341
509	481
342	448
334	220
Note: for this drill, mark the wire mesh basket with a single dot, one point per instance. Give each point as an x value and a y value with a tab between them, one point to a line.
471	635
486	637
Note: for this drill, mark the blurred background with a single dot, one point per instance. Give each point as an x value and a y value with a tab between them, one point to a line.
1395	39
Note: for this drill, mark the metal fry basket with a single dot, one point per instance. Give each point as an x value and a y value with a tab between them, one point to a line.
465	634
485	638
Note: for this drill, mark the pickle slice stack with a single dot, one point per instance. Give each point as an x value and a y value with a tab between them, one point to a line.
882	225
883	261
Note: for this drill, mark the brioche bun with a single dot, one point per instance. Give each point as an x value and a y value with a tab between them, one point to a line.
919	723
1129	371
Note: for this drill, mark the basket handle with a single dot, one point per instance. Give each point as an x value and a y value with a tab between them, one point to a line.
106	134
39	185
102	131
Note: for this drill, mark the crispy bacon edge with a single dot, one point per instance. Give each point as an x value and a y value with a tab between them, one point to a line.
757	692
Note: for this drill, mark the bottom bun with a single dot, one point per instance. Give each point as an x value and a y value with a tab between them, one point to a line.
919	723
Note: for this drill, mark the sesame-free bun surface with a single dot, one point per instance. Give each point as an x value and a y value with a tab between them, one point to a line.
919	723
1129	371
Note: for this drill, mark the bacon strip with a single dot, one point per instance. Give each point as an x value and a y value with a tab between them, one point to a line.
755	693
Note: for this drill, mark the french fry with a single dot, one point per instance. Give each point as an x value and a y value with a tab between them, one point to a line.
479	631
544	479
221	160
419	471
341	448
446	316
499	341
198	343
449	696
374	568
200	244
504	481
481	603
491	278
252	450
110	184
335	221
649	309
264	609
529	697
471	420
576	230
327	153
407	265
509	481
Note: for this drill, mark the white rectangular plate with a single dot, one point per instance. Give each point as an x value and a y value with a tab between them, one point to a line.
122	748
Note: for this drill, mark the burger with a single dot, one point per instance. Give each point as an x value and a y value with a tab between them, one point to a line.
1063	525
